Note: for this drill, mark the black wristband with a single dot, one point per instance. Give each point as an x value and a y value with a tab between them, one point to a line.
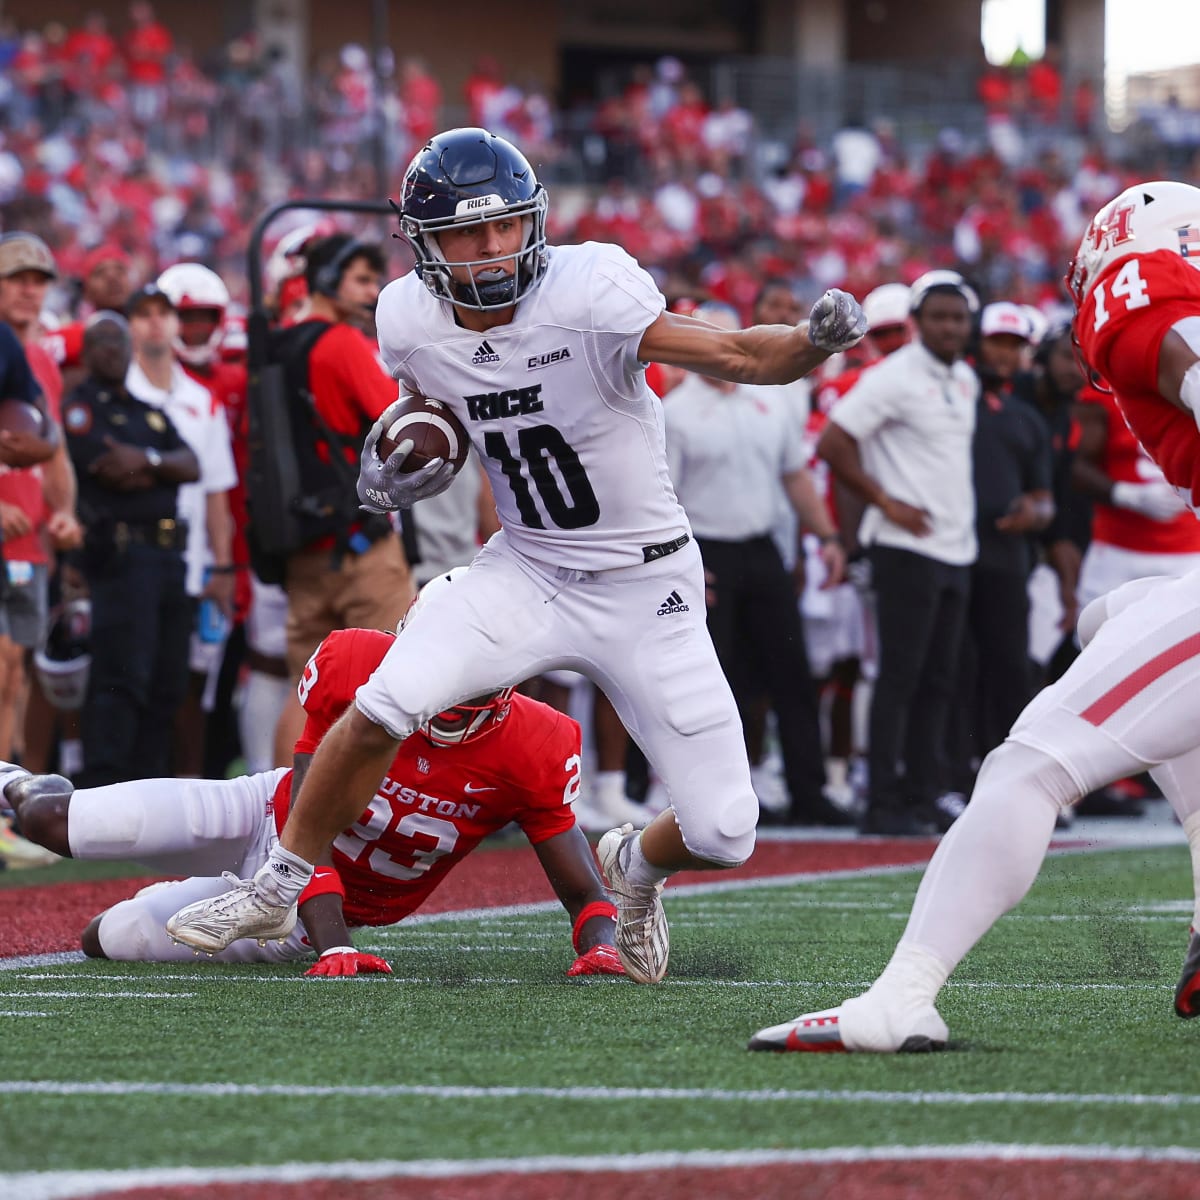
226	570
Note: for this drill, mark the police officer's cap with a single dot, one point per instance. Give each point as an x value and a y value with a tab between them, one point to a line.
144	294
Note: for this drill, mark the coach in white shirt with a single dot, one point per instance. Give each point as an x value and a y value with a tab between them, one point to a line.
157	379
901	439
735	454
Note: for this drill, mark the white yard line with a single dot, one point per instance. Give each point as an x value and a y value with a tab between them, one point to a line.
49	1087
65	1185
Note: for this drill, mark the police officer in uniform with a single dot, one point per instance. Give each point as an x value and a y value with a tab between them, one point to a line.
130	461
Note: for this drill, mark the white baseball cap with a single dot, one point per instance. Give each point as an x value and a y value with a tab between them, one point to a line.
1005	317
941	279
887	305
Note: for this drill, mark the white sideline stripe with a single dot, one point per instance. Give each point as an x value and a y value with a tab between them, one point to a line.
50	1087
64	1185
19	1012
61	995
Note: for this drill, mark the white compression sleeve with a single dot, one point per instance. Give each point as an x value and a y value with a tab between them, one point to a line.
992	854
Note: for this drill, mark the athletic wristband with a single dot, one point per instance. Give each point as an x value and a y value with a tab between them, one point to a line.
597	908
338	950
324	882
226	570
829	539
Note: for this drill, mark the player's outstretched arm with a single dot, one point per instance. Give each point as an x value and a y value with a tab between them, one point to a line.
326	928
570	866
762	354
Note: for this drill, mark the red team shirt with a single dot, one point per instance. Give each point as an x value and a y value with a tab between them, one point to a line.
1125	461
436	803
1120	326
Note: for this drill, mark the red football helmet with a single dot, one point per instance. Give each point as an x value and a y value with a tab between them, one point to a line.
1160	215
474	717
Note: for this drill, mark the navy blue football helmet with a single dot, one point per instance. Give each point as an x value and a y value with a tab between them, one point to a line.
465	177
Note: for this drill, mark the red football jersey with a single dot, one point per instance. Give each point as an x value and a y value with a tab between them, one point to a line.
436	803
1125	461
1120	327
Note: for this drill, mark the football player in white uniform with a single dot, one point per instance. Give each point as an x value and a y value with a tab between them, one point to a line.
1131	701
540	353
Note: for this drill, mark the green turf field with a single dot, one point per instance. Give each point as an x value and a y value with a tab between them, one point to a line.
478	1046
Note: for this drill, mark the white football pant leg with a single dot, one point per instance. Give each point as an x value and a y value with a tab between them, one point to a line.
178	826
135	930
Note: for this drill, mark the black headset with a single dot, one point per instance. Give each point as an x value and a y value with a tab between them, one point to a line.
328	276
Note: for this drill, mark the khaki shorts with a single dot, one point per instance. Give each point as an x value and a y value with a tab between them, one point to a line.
368	591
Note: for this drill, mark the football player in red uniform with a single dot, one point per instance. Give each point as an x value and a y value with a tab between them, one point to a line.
1131	701
467	773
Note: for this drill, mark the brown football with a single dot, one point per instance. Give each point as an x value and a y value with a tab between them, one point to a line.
435	432
19	416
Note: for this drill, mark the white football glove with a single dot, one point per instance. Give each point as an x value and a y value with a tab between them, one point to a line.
382	487
1157	500
836	322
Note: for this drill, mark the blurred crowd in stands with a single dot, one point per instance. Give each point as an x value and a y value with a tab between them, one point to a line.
126	156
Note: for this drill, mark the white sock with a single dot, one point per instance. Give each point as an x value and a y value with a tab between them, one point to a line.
991	856
70	756
638	869
283	877
608	787
263	698
913	975
1177	781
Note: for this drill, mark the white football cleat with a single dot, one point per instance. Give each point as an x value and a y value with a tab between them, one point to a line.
642	937
242	912
863	1025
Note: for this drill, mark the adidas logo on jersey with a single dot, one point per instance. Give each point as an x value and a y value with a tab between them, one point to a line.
672	604
485	354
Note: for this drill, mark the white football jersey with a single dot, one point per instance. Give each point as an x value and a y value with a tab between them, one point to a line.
556	404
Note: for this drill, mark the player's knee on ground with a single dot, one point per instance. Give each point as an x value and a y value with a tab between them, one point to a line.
720	831
130	932
89	939
41	803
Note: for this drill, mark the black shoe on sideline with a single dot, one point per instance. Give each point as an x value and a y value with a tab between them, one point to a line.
896	822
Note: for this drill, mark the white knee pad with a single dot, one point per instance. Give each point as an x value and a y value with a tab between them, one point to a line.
722	831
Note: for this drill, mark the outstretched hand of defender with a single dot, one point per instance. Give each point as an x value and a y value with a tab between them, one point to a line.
345	960
836	322
383	487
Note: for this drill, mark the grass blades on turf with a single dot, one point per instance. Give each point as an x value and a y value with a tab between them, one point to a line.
479	1046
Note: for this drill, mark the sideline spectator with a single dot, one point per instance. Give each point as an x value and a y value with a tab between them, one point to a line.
901	439
130	462
1011	454
718	431
355	574
158	379
46	495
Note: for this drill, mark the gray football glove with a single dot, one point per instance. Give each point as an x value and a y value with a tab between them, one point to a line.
382	487
836	322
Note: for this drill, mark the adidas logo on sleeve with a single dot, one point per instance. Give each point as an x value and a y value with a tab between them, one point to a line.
673	604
